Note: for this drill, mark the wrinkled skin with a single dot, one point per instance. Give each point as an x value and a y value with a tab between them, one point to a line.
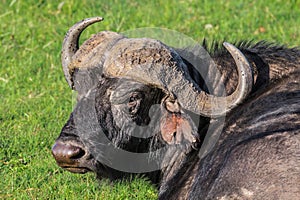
256	157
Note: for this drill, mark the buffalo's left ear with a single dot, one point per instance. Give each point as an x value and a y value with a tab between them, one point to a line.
176	126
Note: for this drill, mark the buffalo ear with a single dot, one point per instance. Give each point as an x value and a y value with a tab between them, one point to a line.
176	126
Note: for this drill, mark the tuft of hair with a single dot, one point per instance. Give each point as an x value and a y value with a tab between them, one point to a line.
217	48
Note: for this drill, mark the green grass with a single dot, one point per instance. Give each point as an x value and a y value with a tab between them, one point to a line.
35	100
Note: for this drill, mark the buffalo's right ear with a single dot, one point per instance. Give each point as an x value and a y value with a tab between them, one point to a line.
176	126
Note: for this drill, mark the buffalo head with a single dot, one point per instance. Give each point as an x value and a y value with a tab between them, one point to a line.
127	84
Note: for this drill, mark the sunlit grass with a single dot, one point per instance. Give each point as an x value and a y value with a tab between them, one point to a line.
36	101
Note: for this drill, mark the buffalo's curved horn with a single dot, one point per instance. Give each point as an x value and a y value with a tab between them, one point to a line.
245	74
151	62
70	45
213	106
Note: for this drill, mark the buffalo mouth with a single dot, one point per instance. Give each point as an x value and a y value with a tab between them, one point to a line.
77	170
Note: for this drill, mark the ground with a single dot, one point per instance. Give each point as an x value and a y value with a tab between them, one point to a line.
35	98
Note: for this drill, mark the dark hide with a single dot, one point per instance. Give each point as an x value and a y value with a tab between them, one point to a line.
257	155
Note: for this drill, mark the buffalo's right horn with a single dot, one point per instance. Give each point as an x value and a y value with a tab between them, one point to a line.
70	45
151	62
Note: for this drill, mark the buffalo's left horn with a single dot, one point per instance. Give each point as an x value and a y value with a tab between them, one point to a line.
70	45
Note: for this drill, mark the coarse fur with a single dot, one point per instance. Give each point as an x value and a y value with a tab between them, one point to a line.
258	153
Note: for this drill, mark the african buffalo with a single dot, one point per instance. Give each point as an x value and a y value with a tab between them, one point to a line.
140	99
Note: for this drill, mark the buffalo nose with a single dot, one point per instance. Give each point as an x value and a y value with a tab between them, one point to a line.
66	153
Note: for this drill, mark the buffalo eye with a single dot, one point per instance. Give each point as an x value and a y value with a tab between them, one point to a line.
134	102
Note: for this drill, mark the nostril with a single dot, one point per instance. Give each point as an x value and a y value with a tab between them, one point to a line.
66	153
78	153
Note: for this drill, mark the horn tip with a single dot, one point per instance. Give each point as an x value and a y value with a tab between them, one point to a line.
99	18
226	44
95	19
